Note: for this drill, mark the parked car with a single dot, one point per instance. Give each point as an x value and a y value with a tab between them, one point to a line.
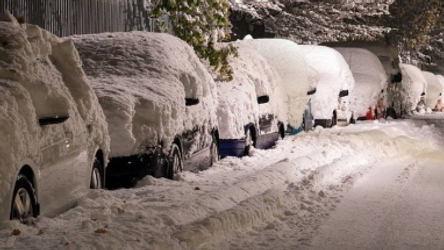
159	101
298	79
434	90
413	89
331	103
370	83
55	140
251	108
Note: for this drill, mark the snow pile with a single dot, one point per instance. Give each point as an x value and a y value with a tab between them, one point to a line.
297	76
334	76
412	86
35	84
228	206
370	77
142	80
238	106
434	89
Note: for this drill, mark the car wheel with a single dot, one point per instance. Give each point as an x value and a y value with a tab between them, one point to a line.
96	175
334	119
214	151
249	142
23	202
281	132
352	120
175	165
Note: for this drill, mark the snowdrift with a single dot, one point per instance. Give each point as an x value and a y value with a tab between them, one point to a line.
297	77
412	86
334	76
434	89
370	78
252	77
41	76
142	80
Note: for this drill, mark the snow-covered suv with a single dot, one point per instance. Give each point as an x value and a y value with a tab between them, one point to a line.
159	101
251	109
54	138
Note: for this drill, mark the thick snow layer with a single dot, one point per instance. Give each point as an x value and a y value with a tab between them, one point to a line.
36	84
334	76
412	86
142	80
370	77
297	76
252	77
238	203
434	89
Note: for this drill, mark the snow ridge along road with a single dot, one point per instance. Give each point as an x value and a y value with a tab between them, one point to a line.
277	198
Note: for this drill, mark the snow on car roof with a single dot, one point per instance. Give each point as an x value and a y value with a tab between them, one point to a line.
370	77
412	86
434	89
238	106
142	80
334	76
297	76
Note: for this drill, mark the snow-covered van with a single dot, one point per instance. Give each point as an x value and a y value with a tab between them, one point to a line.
370	82
251	109
159	101
413	88
434	90
54	138
331	103
299	80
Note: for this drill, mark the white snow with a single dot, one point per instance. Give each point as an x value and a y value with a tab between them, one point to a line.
36	84
434	89
370	78
238	106
236	203
412	86
334	76
297	76
142	80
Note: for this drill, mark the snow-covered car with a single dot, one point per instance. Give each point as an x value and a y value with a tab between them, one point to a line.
331	103
54	138
251	109
433	91
413	88
370	82
299	80
159	100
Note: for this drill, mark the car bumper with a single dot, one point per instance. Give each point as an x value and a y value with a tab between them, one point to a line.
232	147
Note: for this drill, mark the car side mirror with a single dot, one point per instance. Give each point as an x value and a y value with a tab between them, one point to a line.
343	93
312	91
263	99
44	121
191	101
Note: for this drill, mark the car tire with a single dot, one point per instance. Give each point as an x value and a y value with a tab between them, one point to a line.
175	162
249	142
352	120
96	181
214	150
281	132
23	199
334	119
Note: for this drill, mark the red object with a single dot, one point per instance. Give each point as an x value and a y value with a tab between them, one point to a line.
369	115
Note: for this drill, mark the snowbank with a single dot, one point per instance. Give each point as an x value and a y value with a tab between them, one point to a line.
297	77
434	89
238	106
412	86
36	83
334	76
142	80
370	78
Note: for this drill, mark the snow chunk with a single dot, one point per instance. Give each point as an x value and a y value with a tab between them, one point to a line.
142	80
334	76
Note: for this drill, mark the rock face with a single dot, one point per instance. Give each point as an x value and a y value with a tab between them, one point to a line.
317	21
